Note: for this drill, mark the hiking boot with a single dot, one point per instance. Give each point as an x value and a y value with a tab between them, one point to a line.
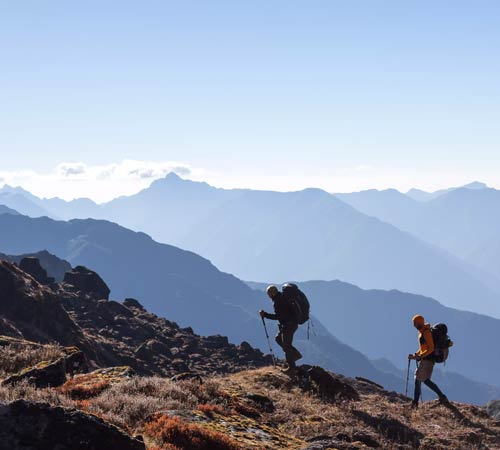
443	400
414	405
297	356
290	371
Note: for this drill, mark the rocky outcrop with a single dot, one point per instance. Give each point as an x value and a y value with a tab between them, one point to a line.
127	334
109	333
31	265
37	426
326	384
87	281
33	311
54	266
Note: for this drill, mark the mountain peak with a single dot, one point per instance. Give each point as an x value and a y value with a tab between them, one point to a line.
172	176
476	185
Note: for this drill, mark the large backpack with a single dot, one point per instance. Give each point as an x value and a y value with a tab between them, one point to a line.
298	300
442	342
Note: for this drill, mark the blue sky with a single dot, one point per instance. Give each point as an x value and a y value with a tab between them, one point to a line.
343	95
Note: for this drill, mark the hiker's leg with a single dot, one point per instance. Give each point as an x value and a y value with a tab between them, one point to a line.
279	337
433	386
290	350
418	391
296	354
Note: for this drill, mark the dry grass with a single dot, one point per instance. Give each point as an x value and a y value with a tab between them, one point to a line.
132	402
18	356
25	391
221	405
172	433
84	387
210	409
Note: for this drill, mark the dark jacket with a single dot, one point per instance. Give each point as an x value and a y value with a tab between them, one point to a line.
282	311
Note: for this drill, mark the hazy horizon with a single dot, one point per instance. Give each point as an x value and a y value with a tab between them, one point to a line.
72	185
345	96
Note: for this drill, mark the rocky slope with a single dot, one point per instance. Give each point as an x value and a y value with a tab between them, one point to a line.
80	371
77	312
176	284
260	409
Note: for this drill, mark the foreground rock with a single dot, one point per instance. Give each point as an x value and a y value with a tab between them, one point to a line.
38	426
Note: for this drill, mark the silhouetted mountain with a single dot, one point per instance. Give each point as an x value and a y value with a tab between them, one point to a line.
302	235
462	221
423	196
378	323
6	210
176	284
381	204
22	201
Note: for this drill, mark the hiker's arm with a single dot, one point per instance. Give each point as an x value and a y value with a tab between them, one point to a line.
270	316
429	341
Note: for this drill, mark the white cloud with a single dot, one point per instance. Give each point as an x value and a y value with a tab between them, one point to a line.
101	183
71	169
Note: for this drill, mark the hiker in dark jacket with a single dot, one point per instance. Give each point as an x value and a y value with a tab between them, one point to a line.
287	325
425	363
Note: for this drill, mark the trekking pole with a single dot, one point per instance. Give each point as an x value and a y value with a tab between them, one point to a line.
407	377
268	341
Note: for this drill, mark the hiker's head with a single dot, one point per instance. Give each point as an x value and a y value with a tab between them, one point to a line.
418	321
272	291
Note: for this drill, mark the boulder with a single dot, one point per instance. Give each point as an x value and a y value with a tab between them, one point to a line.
87	281
263	402
38	426
32	266
133	303
327	385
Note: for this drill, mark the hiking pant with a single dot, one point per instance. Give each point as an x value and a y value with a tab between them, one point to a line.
423	375
284	338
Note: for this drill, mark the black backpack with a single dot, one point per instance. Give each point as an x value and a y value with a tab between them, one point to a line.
442	342
298	300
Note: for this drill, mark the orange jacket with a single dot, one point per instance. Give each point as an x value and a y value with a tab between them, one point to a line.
426	342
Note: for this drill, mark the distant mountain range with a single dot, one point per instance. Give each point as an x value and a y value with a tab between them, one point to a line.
188	289
463	221
304	235
176	284
423	196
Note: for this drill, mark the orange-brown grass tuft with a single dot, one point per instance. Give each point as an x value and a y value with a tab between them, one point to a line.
171	431
84	387
210	409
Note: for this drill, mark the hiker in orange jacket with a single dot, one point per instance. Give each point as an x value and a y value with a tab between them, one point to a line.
425	363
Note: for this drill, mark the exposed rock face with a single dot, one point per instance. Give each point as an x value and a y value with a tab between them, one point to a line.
88	282
34	311
38	426
31	265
